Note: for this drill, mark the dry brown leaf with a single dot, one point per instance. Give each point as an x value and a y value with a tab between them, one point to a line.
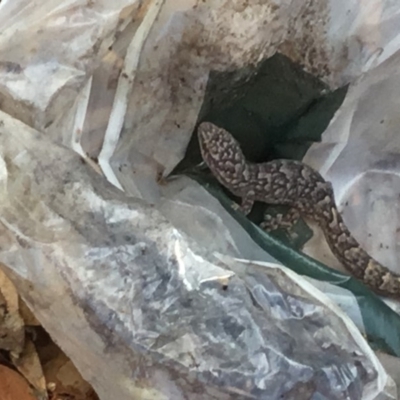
63	379
12	330
9	292
28	364
13	386
61	374
27	315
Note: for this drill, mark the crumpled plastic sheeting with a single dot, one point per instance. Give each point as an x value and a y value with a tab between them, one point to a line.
68	243
155	317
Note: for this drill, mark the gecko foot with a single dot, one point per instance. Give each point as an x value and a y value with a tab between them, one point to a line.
280	221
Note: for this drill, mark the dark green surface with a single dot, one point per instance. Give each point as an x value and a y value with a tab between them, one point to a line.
281	112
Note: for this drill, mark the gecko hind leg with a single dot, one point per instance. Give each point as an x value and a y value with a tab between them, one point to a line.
285	221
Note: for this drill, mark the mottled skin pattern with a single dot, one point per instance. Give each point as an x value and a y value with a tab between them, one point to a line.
292	183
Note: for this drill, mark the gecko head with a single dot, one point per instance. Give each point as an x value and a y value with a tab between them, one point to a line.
222	154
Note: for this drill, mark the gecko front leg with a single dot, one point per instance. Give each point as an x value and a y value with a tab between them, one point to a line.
246	204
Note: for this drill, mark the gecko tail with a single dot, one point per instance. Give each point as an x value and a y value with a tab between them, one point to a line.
356	260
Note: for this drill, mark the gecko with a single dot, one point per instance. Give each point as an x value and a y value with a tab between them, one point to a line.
303	189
